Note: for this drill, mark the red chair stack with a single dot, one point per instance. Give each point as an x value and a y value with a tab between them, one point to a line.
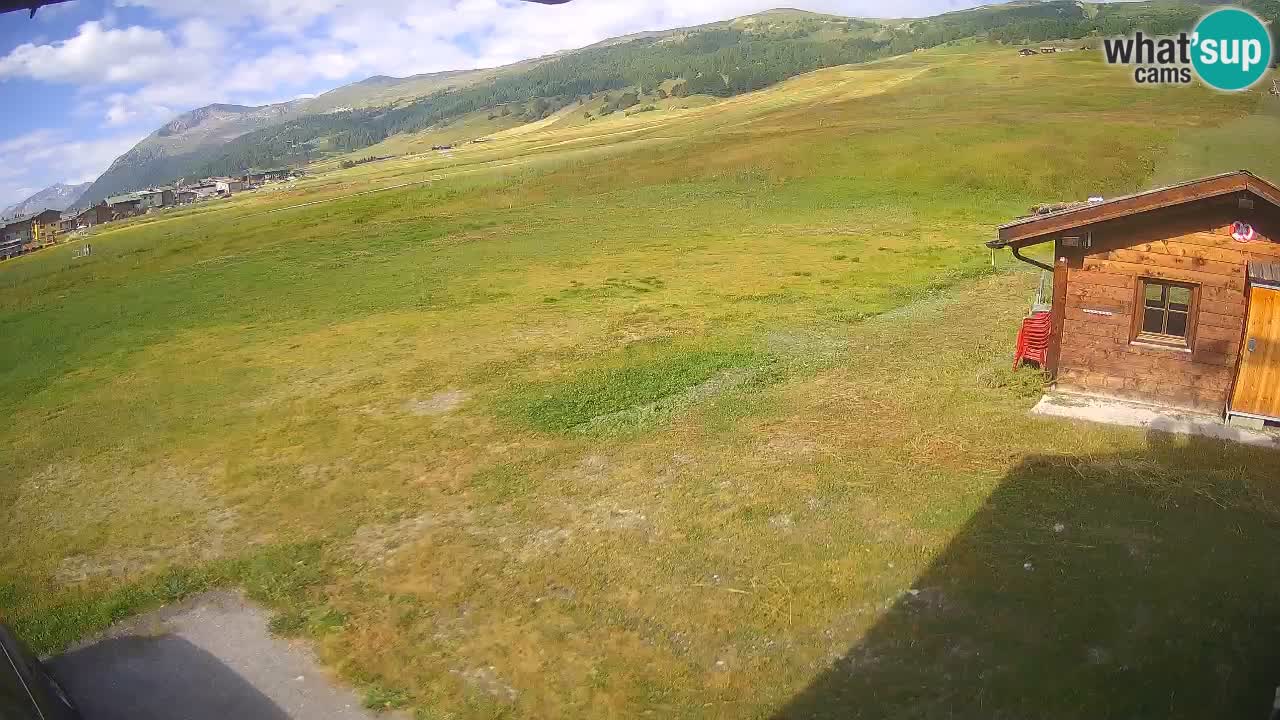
1033	339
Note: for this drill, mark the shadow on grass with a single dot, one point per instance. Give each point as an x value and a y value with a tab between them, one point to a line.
1140	585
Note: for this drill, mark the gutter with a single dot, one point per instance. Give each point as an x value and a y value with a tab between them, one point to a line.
1017	253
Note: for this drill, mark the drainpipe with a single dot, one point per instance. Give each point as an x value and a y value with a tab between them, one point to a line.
1037	263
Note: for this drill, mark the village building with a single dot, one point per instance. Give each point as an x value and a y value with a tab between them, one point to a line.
10	248
123	206
95	215
258	177
28	232
160	197
226	186
44	229
1169	297
203	191
184	196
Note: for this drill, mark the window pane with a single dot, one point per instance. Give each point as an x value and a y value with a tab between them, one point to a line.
1179	298
1154	295
1153	321
1177	324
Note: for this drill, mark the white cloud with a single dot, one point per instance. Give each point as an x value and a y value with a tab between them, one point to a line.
96	54
44	157
82	161
29	142
200	34
157	102
287	17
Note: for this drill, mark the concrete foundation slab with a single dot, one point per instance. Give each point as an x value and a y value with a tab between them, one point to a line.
1241	421
1112	411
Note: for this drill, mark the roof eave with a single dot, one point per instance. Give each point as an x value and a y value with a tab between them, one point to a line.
1033	230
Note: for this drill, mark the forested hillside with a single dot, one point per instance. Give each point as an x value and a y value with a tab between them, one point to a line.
721	59
1111	19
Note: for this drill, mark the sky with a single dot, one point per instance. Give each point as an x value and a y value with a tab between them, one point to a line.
90	78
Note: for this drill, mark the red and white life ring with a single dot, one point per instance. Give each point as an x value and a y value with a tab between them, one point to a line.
1242	232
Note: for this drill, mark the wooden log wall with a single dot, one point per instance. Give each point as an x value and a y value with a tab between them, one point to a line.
1098	353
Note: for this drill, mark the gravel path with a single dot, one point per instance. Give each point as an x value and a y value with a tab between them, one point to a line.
210	657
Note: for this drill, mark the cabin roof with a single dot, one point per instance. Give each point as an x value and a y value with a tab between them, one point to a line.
1037	228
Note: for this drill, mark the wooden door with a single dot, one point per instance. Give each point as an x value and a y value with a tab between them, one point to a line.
1258	380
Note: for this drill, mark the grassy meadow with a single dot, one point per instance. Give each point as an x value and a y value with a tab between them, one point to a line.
703	412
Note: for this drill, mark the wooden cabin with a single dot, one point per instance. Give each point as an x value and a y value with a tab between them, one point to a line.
1170	297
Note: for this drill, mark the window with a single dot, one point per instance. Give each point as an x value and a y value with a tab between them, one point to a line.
1166	317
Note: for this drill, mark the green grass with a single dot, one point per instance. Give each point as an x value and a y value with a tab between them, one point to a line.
641	377
1233	145
49	618
663	414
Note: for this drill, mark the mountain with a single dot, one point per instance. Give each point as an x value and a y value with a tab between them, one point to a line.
173	150
165	154
54	197
384	90
717	59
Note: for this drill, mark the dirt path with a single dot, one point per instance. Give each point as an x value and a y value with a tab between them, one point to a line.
210	657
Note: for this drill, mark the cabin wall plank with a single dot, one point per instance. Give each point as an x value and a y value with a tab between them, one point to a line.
1101	278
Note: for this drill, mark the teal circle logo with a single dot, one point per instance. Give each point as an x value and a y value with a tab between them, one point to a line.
1231	49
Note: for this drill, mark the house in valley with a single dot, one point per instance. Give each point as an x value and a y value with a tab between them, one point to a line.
1169	297
185	196
28	232
123	206
226	185
151	198
45	228
204	190
95	215
253	178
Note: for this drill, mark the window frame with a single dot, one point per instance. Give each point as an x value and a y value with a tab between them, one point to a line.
1173	342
